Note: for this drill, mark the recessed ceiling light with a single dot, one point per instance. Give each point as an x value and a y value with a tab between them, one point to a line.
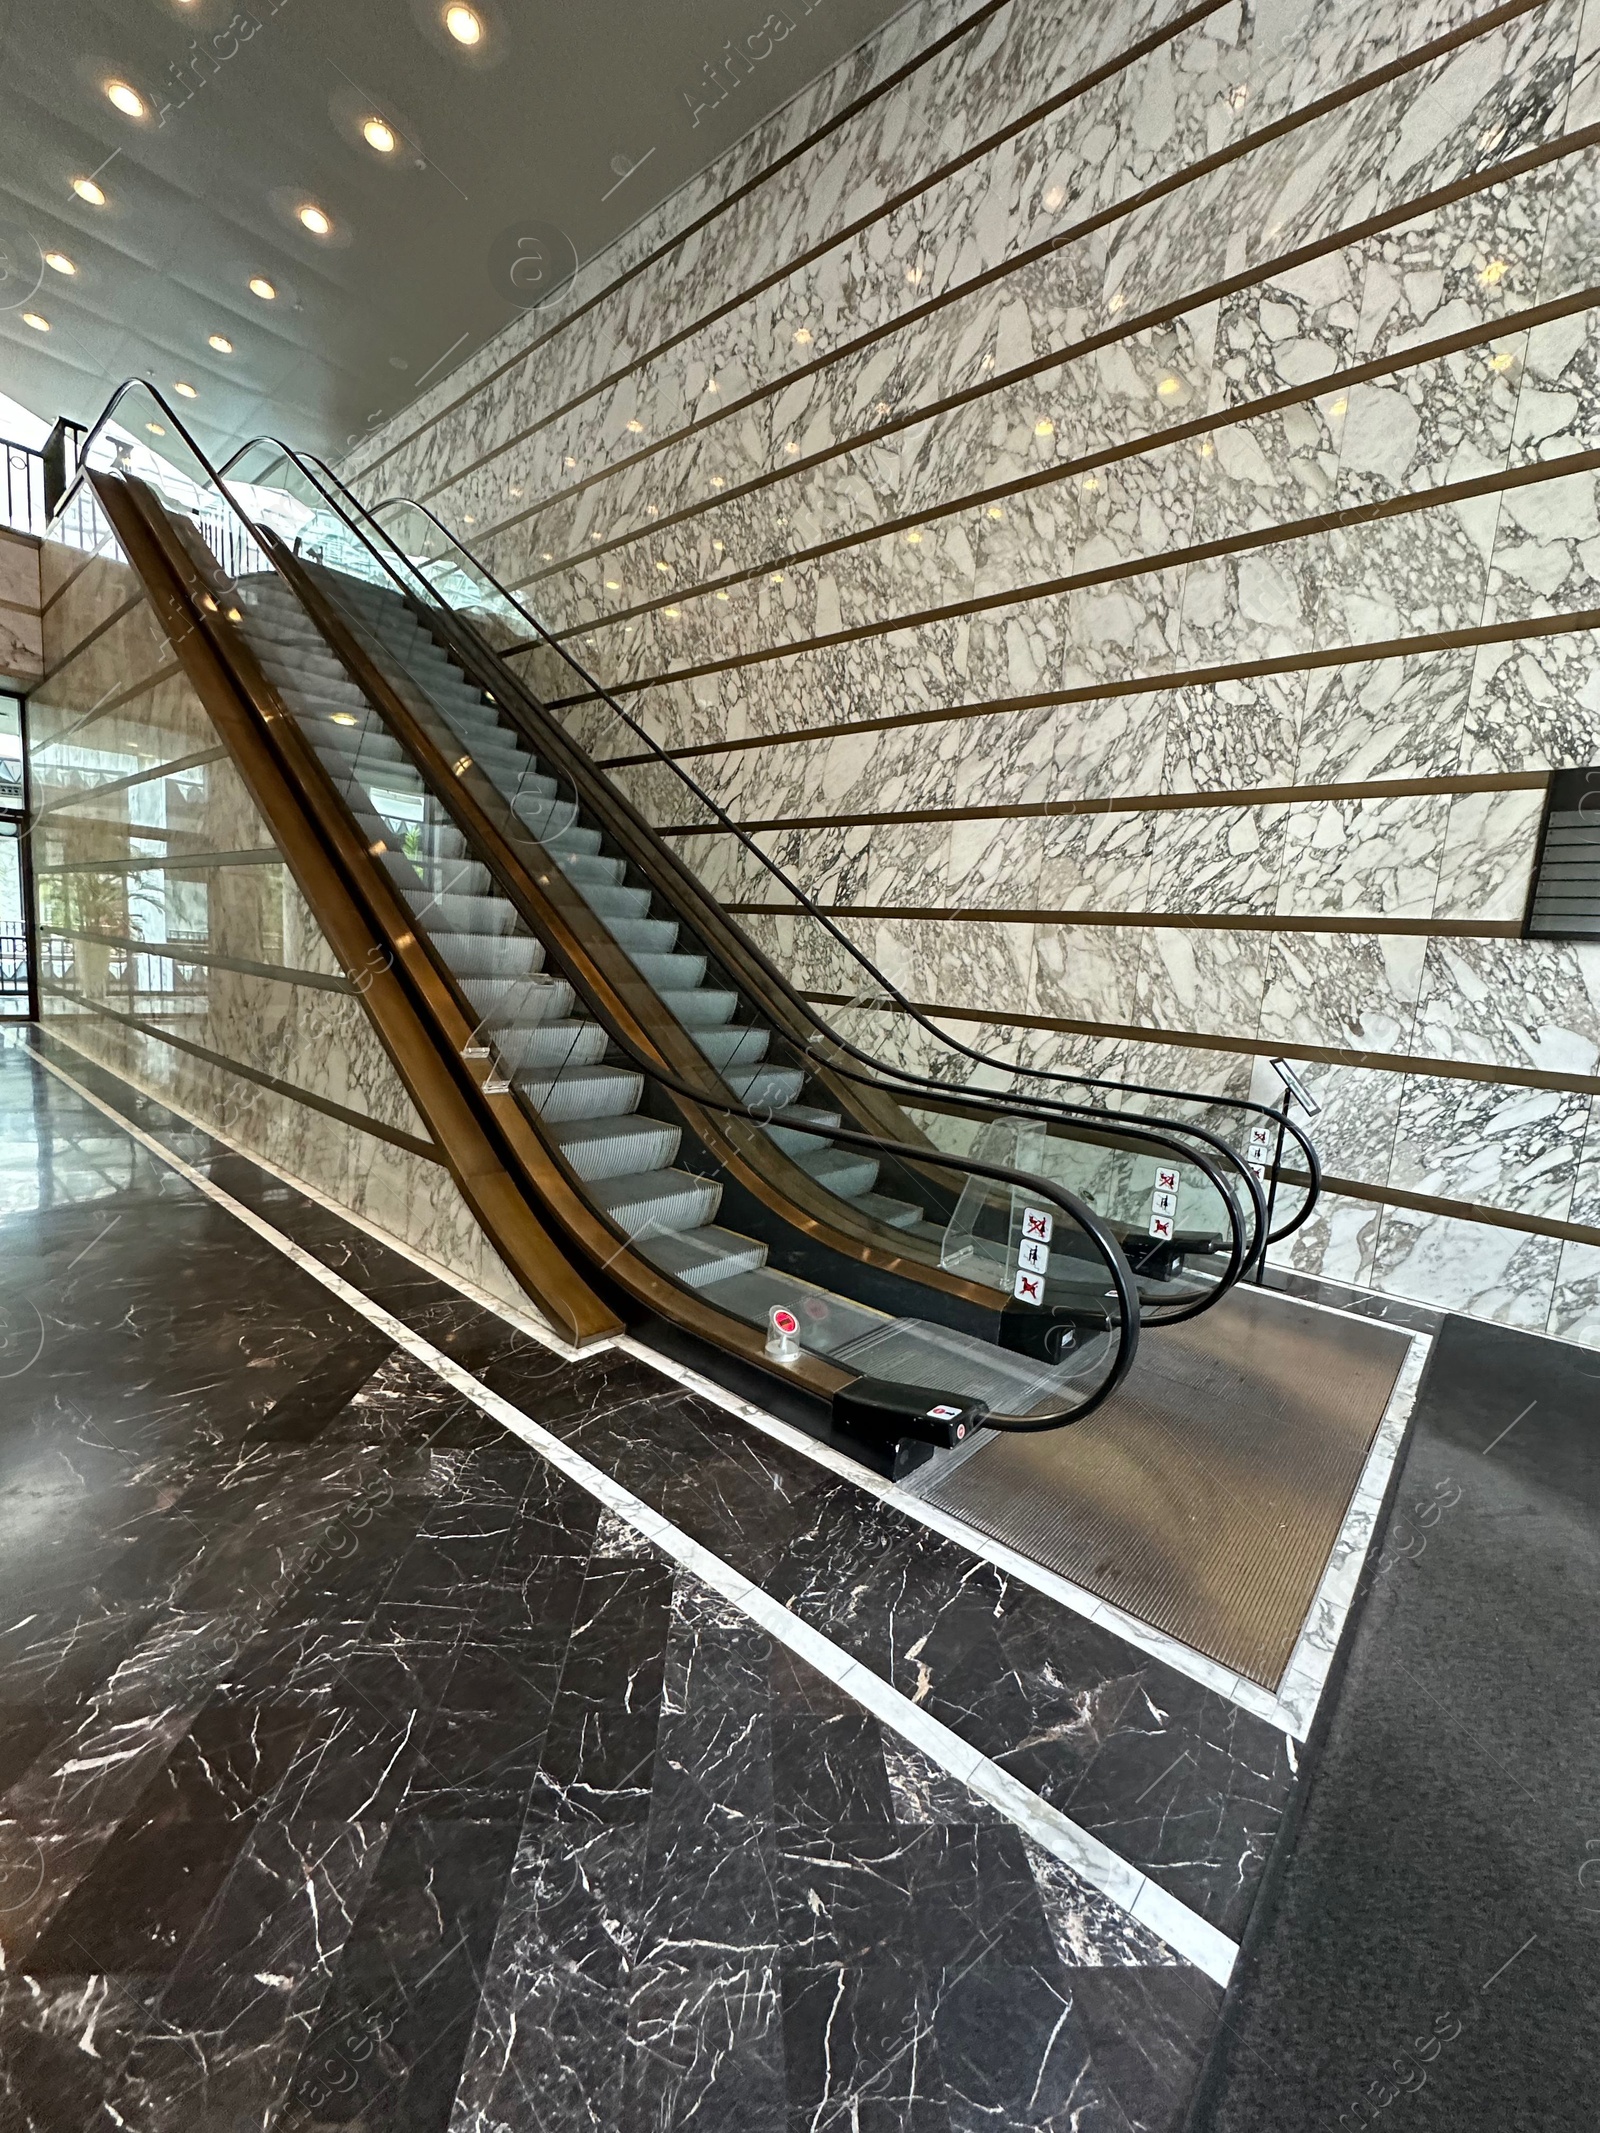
313	219
377	135
186	391
39	325
221	343
343	718
127	100
463	24
59	262
155	429
86	189
260	286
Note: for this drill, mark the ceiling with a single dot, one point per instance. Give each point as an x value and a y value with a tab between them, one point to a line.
563	123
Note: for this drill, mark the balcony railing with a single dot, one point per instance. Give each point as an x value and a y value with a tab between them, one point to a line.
24	487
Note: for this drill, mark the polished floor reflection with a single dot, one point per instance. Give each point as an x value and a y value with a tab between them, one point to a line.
359	1771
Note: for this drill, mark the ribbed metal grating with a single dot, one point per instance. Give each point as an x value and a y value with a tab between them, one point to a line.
1206	1496
1565	904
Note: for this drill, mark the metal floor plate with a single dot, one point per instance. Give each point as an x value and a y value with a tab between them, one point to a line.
1206	1495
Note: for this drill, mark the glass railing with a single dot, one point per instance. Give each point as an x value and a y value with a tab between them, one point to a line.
870	1014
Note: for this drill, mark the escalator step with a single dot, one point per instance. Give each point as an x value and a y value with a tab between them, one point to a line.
737	1045
765	1084
617	1147
700	1258
503	956
609	903
644	936
702	1008
549	1049
658	1200
589	1092
895	1214
517	1003
670	973
841	1170
463	914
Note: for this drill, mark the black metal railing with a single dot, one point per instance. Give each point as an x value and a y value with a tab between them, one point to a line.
24	487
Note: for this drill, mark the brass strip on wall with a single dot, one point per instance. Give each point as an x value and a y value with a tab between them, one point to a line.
1458	1210
113	700
308	1097
1207	166
1413	357
1471	929
1401	1063
1341	655
117	615
1407	504
1143	322
168	863
1138	803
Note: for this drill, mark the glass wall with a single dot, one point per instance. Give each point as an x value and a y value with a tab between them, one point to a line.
13	880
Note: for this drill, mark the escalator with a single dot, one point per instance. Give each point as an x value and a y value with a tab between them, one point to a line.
400	546
655	1128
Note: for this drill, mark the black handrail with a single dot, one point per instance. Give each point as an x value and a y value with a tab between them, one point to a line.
890	990
1242	1256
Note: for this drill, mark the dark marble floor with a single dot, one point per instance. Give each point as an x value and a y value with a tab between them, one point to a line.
356	1771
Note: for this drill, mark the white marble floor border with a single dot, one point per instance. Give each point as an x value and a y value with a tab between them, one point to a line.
1183	1930
1291	1710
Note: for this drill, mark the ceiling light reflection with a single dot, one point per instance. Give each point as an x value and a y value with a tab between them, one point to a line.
86	189
379	136
260	286
33	319
315	220
463	25
127	100
59	263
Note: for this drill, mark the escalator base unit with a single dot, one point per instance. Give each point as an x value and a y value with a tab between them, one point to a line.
919	1414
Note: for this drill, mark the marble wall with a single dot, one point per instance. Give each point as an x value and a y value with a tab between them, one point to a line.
21	658
1116	515
175	946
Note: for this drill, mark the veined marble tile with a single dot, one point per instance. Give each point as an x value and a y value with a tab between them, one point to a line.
1229	736
1372	857
1512	1003
902	864
1486	865
1585	1207
1471	263
1495	1147
1207	980
1089	973
1347	990
1575	1300
1217	859
1384	718
982	965
1546	556
1501	1274
1556	370
1082	862
1338	1241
